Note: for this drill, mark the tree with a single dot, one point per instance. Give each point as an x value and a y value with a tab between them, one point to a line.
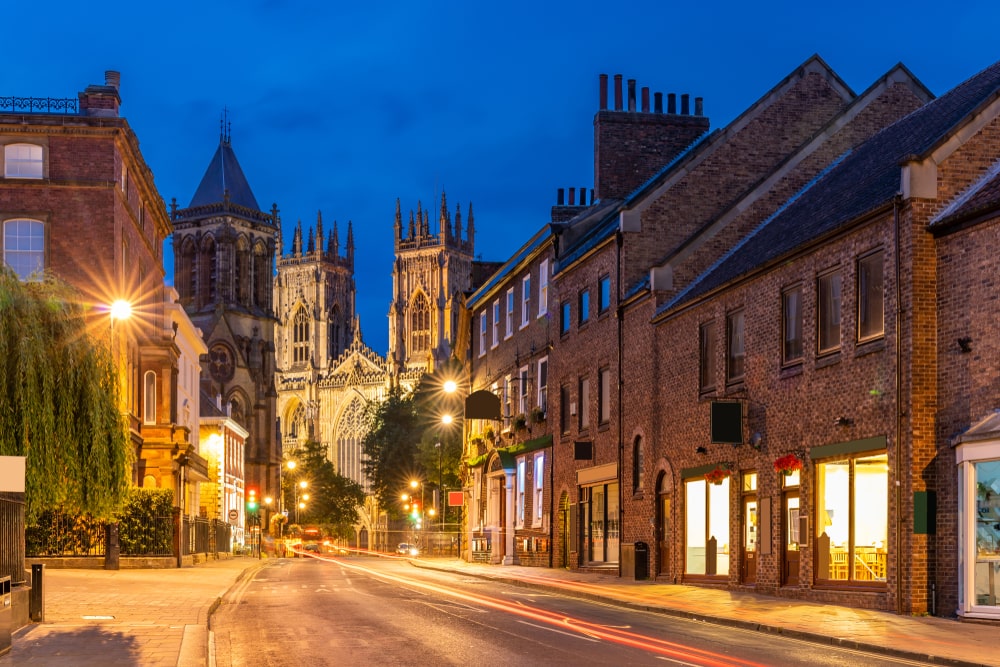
333	498
390	446
59	401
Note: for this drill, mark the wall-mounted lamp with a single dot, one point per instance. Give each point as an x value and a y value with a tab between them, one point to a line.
965	344
755	441
701	449
843	421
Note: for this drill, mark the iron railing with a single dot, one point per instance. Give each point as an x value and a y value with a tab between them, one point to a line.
12	537
66	105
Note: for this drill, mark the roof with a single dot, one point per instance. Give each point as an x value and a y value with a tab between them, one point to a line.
512	265
860	183
224	176
980	197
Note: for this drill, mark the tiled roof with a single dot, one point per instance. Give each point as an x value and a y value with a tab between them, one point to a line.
224	175
596	225
864	181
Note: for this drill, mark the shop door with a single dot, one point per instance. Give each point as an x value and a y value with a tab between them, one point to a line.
790	519
663	535
751	533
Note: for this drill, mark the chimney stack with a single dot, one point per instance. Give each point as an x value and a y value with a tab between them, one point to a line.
112	78
572	196
699	106
685	110
671	102
618	92
604	93
631	94
560	197
645	99
658	102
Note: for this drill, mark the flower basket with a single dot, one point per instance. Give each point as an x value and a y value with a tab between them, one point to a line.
788	464
520	422
537	415
716	475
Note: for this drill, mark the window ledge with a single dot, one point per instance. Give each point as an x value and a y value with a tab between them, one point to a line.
706	393
736	386
869	347
828	360
791	371
604	427
637	495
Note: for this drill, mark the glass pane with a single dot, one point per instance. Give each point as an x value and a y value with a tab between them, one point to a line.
750	481
597	524
611	553
987	574
792	524
792	313
870	299
718	524
829	311
833	487
735	344
750	525
694	526
871	517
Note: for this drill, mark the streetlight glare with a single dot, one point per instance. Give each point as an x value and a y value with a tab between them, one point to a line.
121	310
291	465
303	484
414	483
305	496
450	386
447	419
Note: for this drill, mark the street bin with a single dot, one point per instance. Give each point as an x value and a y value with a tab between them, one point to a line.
6	615
641	561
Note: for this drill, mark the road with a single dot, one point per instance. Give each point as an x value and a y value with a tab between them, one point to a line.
363	610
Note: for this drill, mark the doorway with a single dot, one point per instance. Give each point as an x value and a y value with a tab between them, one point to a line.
751	532
790	518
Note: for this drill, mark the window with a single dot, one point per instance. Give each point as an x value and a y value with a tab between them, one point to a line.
584	306
706	527
24	247
637	464
604	294
584	413
522	396
149	398
828	311
735	352
539	479
300	337
510	313
525	301
482	333
506	399
543	287
791	325
543	384
22	161
604	396
564	318
706	346
420	325
564	409
871	317
519	510
852	522
496	322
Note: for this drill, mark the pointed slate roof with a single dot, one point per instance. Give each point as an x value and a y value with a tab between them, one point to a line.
861	182
224	175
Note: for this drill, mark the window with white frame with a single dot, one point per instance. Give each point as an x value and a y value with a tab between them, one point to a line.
24	247
482	333
520	493
583	417
496	322
543	384
506	401
510	313
522	397
539	481
22	161
149	398
543	287
604	395
525	300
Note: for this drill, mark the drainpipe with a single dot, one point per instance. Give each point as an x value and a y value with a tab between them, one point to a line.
621	426
896	202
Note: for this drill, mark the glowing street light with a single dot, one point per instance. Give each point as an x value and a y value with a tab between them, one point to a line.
450	387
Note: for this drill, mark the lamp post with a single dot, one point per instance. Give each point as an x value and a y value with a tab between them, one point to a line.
122	310
303	484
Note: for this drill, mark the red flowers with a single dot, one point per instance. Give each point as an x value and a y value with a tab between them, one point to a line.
788	464
716	475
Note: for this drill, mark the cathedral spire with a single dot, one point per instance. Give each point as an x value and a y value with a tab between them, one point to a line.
350	244
458	222
398	226
444	223
319	231
412	229
334	249
472	230
420	218
311	243
277	223
297	240
356	341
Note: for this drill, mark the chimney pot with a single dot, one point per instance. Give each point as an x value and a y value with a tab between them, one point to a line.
672	103
645	99
583	196
618	92
560	197
631	94
685	107
603	92
112	78
699	109
591	196
658	102
572	196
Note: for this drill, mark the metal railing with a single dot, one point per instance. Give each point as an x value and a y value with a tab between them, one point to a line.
66	105
12	537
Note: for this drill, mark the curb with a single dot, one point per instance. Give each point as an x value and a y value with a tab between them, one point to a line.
803	635
207	639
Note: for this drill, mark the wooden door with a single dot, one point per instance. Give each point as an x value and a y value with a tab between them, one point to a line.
663	535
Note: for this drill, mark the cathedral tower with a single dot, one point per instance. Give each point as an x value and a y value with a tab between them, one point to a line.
430	274
224	248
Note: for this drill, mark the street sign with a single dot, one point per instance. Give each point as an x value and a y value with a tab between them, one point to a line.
233	515
456	499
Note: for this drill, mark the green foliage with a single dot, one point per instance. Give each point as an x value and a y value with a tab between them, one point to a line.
390	446
59	401
333	498
145	524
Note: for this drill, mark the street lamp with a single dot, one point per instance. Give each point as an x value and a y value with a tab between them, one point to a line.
303	484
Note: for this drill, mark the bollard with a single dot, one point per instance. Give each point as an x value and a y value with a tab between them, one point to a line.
36	597
111	547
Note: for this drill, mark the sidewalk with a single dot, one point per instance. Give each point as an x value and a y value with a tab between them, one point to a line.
152	618
938	640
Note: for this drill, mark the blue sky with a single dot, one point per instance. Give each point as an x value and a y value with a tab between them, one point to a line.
345	107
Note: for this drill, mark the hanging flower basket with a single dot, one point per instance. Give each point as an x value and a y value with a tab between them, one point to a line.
788	464
716	475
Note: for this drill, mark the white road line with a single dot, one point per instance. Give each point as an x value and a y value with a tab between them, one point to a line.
561	632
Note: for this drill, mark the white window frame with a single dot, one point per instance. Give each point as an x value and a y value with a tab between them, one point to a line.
539	480
23	161
542	395
510	314
149	398
18	233
496	322
525	300
506	403
522	396
543	288
519	498
482	333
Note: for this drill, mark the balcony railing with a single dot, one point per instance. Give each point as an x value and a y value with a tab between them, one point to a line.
66	105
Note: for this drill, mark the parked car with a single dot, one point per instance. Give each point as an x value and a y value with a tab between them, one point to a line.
407	549
312	547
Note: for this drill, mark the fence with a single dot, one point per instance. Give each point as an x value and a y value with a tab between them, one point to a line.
12	537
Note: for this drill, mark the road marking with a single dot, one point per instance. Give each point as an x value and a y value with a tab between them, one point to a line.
677	662
560	632
98	618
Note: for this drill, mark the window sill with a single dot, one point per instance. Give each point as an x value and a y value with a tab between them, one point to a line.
736	386
790	371
637	495
869	347
706	393
829	359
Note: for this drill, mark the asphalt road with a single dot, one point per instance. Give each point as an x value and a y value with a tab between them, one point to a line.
369	611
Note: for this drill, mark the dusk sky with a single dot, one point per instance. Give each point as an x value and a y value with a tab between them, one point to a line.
345	107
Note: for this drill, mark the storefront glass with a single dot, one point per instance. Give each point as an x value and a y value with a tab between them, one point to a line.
986	585
706	527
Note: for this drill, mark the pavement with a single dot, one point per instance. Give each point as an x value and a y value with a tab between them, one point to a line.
160	618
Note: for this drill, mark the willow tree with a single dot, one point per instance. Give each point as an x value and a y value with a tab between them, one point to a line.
59	400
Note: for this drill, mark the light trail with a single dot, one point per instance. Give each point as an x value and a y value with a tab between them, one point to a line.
620	636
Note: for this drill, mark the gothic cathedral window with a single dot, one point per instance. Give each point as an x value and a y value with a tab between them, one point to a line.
420	325
300	337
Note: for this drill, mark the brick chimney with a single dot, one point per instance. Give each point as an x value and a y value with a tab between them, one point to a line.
630	146
102	100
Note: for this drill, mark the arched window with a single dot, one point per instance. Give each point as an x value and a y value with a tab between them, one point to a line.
149	398
350	432
24	247
420	325
334	344
241	277
300	337
184	275
23	161
261	276
206	272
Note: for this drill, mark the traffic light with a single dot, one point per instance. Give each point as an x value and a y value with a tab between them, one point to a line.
252	501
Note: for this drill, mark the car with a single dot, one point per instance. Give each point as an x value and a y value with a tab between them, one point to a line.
312	547
407	549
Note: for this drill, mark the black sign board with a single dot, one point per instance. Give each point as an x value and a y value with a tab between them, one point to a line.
583	450
727	422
